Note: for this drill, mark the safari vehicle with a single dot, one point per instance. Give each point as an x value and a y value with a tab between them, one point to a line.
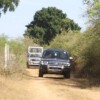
34	56
55	61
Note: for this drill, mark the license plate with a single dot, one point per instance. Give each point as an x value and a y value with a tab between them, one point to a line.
54	66
35	62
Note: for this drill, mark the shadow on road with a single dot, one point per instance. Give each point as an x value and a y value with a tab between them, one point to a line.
58	80
72	82
33	67
54	78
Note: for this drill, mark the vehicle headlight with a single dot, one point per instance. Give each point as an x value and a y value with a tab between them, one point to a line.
29	60
44	63
66	64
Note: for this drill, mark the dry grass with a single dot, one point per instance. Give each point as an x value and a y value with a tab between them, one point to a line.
31	87
14	89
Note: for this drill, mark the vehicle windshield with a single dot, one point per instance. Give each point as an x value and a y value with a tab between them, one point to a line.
35	55
55	54
35	50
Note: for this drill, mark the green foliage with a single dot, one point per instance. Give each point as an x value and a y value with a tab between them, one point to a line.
91	56
49	22
85	49
27	41
93	12
15	46
17	55
93	9
8	5
70	41
96	28
18	50
3	40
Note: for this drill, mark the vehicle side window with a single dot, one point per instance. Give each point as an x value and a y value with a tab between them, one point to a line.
63	55
47	54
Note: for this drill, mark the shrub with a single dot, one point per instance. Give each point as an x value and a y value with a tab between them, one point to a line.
91	57
85	49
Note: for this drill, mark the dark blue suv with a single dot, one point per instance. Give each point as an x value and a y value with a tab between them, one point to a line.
55	61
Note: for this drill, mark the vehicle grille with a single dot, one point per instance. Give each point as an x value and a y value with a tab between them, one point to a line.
35	60
54	64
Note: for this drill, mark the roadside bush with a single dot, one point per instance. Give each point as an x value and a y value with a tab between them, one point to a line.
3	40
91	57
17	54
68	42
85	49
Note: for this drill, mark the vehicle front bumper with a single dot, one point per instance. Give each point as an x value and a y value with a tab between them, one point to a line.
54	69
31	63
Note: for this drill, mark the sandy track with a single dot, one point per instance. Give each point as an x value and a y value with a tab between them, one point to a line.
50	87
53	87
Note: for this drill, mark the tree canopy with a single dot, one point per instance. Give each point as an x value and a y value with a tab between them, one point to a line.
93	12
93	9
6	5
49	22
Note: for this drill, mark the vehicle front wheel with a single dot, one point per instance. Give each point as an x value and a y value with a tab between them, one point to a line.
40	73
67	74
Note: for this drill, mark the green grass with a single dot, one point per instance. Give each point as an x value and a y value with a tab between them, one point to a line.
18	55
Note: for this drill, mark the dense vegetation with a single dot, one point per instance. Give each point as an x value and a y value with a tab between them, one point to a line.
6	5
17	55
85	47
49	22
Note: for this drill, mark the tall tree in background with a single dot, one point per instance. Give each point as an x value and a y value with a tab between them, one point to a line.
93	12
93	9
49	22
6	5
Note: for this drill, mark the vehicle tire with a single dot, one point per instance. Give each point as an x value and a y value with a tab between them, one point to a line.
67	74
40	73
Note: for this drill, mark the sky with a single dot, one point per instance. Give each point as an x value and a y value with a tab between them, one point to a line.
13	24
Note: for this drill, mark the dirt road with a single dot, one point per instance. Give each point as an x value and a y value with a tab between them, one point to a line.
51	87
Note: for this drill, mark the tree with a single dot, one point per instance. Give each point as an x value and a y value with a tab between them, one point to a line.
93	12
49	22
93	9
6	5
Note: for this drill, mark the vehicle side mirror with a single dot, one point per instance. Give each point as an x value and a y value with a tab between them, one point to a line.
71	58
